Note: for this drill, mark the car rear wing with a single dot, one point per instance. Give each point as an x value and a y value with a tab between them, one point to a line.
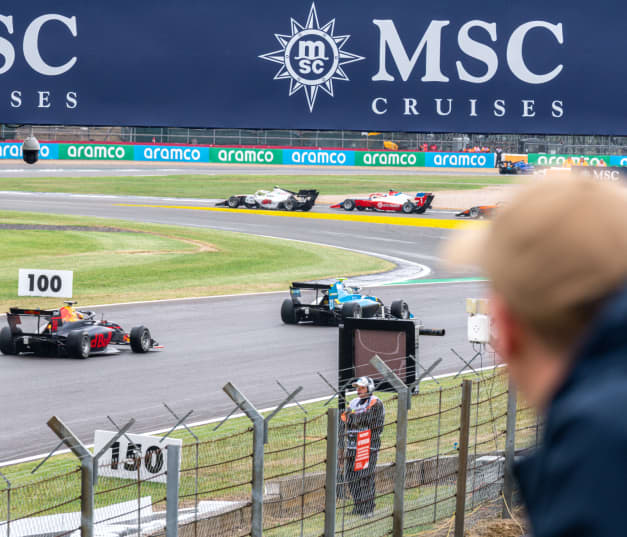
38	312
14	319
305	285
310	195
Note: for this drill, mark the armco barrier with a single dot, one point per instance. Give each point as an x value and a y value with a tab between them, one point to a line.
389	158
245	155
95	152
544	159
13	151
319	157
460	160
290	156
167	153
618	161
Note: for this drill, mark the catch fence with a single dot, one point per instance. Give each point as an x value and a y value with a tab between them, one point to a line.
428	464
509	143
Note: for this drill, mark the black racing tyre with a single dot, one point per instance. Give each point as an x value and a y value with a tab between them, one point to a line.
290	204
78	344
233	202
348	205
140	339
408	207
288	312
7	342
475	212
399	309
351	309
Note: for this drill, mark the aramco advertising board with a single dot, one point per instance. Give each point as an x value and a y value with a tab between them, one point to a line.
448	66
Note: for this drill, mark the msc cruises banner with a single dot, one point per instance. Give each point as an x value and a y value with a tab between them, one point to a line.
450	65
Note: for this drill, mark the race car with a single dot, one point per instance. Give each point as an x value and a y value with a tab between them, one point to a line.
68	332
278	198
392	201
330	304
508	167
479	211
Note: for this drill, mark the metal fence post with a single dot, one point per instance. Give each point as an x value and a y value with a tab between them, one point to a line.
172	491
8	534
87	473
462	468
401	443
331	469
260	437
510	445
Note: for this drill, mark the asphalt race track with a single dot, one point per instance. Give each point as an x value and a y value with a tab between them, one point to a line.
210	341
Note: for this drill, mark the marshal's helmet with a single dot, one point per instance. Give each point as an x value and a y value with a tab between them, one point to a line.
367	382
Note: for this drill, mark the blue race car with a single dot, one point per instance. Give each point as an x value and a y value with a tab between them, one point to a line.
514	168
330	304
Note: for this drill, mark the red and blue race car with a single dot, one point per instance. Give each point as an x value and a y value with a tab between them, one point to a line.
391	201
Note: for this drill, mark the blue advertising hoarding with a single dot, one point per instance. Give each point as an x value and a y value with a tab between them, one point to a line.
324	157
171	153
460	160
453	66
13	150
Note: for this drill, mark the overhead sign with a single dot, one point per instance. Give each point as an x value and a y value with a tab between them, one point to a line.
368	66
36	282
144	456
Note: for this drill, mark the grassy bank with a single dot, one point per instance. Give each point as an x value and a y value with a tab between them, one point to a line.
222	186
134	262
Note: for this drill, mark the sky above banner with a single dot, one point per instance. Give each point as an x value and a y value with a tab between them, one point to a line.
449	66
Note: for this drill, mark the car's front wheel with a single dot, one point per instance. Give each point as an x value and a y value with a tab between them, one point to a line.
400	309
233	202
351	309
78	344
475	212
140	339
348	205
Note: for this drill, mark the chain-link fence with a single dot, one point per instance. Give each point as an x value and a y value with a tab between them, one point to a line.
512	143
324	471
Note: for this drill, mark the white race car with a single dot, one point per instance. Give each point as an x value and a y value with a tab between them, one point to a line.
391	201
278	198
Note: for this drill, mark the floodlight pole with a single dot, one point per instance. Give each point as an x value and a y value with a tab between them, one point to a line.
401	442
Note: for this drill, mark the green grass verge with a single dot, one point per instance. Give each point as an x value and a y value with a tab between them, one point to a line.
222	186
224	468
147	261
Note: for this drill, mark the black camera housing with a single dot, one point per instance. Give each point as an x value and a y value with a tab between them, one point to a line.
30	150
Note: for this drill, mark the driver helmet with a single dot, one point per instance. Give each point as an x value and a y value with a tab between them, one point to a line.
366	382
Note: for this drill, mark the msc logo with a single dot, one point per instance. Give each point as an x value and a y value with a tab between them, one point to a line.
311	57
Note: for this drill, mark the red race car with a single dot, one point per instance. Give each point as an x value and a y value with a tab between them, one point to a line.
480	211
392	201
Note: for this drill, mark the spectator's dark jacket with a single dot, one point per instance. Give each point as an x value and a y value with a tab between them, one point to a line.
576	482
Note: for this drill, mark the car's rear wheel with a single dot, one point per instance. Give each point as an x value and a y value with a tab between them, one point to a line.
290	204
7	342
351	309
408	207
399	309
78	344
348	205
475	212
140	339
233	202
288	312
